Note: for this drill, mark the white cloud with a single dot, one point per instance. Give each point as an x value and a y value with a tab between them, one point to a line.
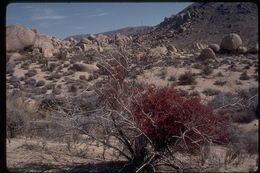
49	17
99	14
45	14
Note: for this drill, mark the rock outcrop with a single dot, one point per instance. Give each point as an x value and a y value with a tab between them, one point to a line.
214	47
207	53
231	42
19	37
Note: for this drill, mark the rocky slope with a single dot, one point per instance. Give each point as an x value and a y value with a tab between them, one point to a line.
128	31
208	23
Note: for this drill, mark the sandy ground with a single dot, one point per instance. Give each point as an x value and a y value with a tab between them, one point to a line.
38	154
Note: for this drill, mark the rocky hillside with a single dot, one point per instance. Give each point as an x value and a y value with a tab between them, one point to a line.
208	23
128	31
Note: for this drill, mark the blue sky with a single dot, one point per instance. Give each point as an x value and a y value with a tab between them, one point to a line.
65	19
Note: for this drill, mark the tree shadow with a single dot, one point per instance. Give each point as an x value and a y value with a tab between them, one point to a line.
108	167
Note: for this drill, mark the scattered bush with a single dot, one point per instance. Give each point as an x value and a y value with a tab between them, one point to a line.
219	74
9	68
195	93
50	86
15	121
56	91
40	83
22	78
50	102
210	92
13	79
82	77
247	67
25	66
243	116
162	74
43	90
187	79
238	82
220	82
59	86
244	76
245	141
206	70
51	66
31	73
73	88
197	66
31	82
103	69
172	78
92	76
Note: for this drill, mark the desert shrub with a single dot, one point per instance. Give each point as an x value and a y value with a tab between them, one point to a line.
210	92
162	73
82	77
169	61
92	76
233	68
49	77
52	66
31	73
149	66
50	102
13	79
16	84
247	67
172	78
31	82
244	76
40	83
59	86
50	86
62	55
195	93
135	71
25	66
245	141
56	91
22	78
243	116
197	66
219	74
9	68
163	115
73	88
15	121
183	92
206	70
220	82
103	69
238	82
43	90
187	79
89	59
244	101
